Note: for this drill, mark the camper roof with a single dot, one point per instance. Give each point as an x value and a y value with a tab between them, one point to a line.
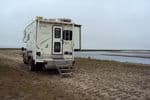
58	21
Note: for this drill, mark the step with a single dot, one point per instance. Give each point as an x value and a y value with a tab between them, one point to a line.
65	67
66	73
65	70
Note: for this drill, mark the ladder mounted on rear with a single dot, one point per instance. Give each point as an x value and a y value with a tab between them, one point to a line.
64	69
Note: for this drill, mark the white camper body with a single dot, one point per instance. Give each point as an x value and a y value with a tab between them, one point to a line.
51	42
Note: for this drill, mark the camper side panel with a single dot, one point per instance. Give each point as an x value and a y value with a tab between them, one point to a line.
30	36
29	39
77	37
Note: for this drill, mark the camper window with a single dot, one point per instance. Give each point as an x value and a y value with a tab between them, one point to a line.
57	47
28	37
57	32
67	35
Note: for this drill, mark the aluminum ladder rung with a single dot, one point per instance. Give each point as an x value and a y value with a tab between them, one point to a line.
66	71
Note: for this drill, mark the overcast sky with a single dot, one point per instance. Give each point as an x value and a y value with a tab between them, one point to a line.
106	24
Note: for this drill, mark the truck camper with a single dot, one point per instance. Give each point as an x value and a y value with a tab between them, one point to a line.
50	43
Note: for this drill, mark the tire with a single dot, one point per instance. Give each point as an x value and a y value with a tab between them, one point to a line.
24	59
40	66
32	65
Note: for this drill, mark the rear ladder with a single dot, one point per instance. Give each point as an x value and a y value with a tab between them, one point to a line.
64	69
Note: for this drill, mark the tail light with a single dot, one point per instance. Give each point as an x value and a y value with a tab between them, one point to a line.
68	53
38	53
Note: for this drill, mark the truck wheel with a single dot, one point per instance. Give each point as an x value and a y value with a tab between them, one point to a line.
25	62
39	66
32	66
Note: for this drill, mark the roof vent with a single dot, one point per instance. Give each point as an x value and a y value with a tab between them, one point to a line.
52	19
39	17
65	19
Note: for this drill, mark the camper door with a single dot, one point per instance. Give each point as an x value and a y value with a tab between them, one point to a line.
57	40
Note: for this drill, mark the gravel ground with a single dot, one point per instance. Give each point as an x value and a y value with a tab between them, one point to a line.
92	80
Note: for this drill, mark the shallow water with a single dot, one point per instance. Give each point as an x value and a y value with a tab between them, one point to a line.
142	57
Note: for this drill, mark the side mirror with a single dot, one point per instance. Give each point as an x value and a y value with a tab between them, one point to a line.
23	48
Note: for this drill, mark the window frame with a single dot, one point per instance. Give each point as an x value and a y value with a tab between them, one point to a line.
28	37
67	35
56	33
57	49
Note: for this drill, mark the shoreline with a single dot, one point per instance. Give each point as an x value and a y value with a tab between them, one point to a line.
122	55
112	61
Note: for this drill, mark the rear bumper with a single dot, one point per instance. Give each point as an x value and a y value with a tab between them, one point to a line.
52	63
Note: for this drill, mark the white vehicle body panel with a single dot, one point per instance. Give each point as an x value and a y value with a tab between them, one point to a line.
45	40
77	37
